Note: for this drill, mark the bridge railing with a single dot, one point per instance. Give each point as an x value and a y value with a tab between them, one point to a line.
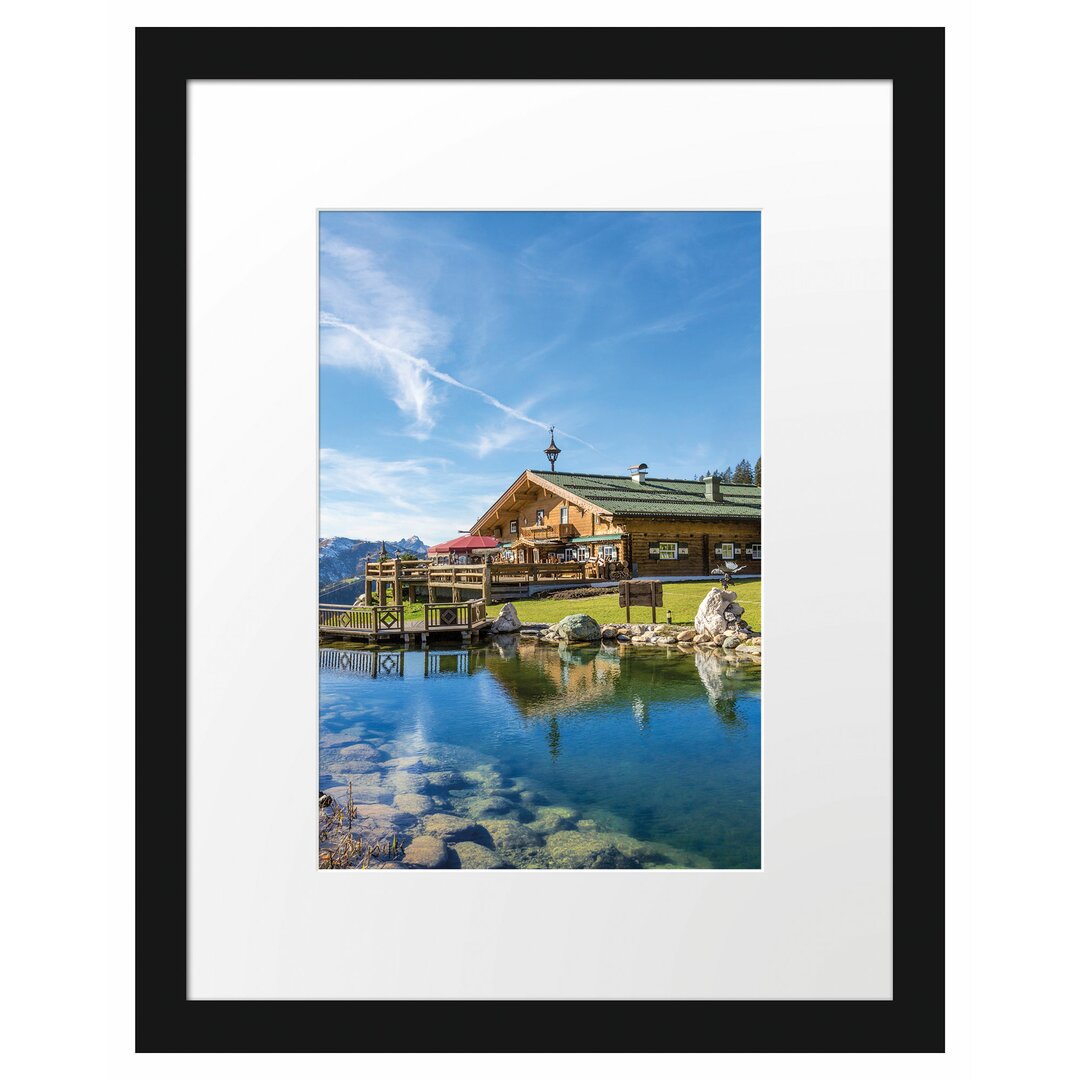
464	615
371	620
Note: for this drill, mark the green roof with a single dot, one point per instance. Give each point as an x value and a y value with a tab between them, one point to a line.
656	497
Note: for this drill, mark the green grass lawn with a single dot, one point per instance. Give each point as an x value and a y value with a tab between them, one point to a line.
683	597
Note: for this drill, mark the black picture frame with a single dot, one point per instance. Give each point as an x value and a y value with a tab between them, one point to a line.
166	58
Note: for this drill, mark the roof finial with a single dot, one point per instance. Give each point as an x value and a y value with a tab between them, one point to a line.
552	451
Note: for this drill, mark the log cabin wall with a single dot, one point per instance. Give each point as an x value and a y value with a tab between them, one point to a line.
524	512
696	543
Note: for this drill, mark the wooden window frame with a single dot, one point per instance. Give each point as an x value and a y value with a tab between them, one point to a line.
564	515
673	557
513	528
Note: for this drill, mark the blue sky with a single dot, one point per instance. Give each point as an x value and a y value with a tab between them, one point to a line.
450	342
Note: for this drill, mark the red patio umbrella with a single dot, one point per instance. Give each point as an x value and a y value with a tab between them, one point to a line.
465	543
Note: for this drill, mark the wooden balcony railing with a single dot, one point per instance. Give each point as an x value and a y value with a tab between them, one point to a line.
549	531
463	616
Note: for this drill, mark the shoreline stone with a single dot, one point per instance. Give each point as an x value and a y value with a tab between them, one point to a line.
578	628
507	621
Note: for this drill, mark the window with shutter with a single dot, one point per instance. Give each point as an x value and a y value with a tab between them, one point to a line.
727	551
668	550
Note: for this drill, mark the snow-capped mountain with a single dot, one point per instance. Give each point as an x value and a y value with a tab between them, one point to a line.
340	557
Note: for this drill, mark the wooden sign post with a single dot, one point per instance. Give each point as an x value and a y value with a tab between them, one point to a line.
641	592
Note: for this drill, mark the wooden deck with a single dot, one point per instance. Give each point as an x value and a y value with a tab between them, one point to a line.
373	624
415	579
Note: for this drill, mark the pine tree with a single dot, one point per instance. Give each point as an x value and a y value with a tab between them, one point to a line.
757	473
725	476
743	474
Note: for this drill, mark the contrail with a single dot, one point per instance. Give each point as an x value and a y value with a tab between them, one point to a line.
326	319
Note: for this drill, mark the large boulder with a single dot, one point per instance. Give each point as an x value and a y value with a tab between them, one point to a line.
507	621
710	613
578	628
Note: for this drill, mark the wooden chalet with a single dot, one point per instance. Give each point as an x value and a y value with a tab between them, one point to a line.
652	527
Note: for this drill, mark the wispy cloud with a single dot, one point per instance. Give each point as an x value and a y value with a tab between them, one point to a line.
418	399
368	498
706	302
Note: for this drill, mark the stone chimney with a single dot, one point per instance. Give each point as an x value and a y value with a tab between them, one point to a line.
638	473
712	489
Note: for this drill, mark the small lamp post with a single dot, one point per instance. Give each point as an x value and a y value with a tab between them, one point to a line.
552	451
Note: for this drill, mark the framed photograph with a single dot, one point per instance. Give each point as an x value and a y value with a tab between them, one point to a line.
464	377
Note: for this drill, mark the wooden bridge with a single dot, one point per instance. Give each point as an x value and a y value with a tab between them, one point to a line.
376	624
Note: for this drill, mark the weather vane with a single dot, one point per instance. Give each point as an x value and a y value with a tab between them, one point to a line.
552	451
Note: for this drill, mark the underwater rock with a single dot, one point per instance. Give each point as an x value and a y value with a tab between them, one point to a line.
451	827
493	805
359	750
506	833
402	782
412	803
445	779
482	776
426	853
412	763
368	790
685	635
578	628
383	814
576	850
533	798
473	856
550	819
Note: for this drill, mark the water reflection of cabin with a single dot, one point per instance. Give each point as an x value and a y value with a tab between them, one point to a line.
541	679
652	527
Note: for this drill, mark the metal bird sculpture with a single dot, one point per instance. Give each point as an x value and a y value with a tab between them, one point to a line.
726	571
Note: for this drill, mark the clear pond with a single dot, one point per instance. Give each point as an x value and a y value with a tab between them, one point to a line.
522	754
